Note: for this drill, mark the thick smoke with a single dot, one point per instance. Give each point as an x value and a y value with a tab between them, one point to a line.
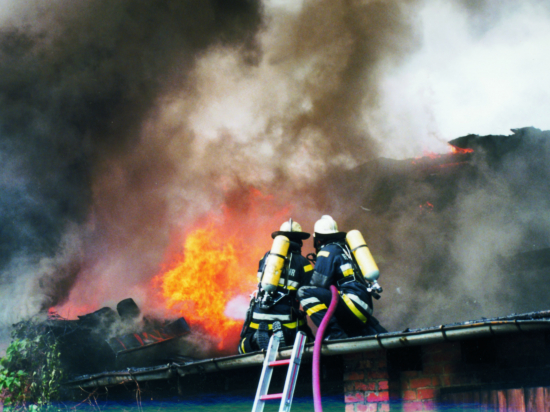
78	82
135	119
462	241
122	122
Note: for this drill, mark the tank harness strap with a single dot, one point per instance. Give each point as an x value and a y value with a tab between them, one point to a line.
345	249
248	317
353	308
289	325
262	270
287	269
358	247
360	278
346	279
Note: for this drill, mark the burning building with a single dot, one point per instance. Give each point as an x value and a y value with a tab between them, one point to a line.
495	363
148	150
121	137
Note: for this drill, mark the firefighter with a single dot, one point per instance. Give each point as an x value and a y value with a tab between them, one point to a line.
335	266
280	309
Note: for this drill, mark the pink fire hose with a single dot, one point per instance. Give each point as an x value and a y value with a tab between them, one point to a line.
317	350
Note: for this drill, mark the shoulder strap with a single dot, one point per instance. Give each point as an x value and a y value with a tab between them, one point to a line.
360	278
287	267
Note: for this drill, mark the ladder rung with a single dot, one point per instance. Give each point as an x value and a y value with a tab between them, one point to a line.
271	396
280	362
267	370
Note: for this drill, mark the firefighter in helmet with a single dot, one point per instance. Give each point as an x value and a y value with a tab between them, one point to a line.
335	266
278	308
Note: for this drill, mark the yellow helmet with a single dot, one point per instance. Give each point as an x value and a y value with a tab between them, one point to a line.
292	230
290	226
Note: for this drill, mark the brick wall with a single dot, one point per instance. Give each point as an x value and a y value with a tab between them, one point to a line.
366	383
503	370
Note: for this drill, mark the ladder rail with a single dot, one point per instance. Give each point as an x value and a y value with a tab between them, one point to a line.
267	372
291	377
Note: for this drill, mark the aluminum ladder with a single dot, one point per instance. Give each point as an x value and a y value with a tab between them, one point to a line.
291	376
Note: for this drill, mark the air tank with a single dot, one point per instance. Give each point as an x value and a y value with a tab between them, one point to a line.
362	255
275	263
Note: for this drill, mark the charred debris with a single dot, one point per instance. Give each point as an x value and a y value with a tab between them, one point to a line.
109	339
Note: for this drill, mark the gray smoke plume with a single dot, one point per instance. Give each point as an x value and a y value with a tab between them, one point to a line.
77	82
122	122
457	241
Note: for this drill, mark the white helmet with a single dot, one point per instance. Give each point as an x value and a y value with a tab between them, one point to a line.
325	225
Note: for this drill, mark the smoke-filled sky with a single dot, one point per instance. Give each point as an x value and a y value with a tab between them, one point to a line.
123	122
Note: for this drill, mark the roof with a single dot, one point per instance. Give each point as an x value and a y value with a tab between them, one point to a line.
512	324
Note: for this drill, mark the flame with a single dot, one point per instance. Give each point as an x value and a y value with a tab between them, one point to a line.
205	278
459	150
218	263
431	155
427	155
427	206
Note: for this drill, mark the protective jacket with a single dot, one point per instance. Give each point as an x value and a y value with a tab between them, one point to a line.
335	266
286	310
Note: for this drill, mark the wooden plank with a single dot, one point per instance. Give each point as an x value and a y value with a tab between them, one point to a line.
546	399
452	399
531	399
494	400
464	400
484	400
476	400
515	400
501	401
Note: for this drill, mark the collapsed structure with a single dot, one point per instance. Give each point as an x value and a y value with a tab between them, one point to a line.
109	340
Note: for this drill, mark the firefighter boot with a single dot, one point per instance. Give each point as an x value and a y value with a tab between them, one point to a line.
278	331
334	331
262	335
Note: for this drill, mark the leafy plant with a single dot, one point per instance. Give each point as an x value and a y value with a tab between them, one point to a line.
30	373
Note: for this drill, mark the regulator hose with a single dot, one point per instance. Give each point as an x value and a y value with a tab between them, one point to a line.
317	350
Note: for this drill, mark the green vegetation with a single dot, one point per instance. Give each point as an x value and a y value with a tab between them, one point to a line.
30	373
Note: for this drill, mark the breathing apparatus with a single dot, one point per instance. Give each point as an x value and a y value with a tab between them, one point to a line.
365	261
355	248
276	262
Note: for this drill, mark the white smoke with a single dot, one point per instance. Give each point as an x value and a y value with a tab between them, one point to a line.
477	71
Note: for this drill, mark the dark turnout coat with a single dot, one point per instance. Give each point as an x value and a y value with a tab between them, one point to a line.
286	310
335	266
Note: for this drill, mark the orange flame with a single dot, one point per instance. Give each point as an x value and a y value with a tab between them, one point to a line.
427	206
459	150
426	155
218	263
205	278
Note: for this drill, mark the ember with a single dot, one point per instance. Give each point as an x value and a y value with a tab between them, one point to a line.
427	206
459	150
